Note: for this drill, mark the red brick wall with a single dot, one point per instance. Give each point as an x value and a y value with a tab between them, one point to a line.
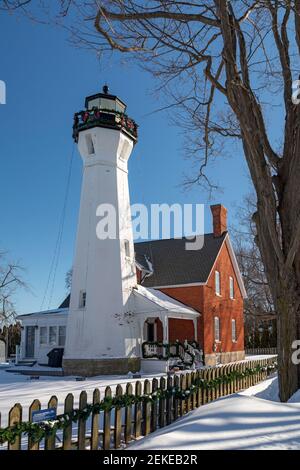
181	330
223	307
204	300
191	296
138	275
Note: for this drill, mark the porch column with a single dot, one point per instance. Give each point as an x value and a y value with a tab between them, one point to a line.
195	329
141	339
165	323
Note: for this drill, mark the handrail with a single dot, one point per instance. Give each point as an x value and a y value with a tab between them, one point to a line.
164	351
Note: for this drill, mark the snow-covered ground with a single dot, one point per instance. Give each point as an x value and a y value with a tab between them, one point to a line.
252	419
17	388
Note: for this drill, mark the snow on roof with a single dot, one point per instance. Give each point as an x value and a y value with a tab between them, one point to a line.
163	302
45	312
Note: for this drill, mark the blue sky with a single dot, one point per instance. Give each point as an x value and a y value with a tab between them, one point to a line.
47	80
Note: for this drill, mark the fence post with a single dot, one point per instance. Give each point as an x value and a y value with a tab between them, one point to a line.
146	410
200	390
213	390
170	400
118	420
154	413
35	406
128	416
204	390
217	389
162	404
183	388
95	422
138	411
50	440
188	401
81	421
176	400
67	433
194	395
15	417
106	422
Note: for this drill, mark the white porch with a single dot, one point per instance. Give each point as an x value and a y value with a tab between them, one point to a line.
153	310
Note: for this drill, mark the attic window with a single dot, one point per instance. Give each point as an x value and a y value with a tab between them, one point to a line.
217	283
90	144
231	287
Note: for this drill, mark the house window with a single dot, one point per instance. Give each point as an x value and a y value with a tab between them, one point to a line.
218	283
217	328
61	335
231	287
233	330
90	144
43	335
127	249
82	299
52	335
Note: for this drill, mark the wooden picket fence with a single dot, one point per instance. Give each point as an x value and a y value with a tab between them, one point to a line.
118	427
261	351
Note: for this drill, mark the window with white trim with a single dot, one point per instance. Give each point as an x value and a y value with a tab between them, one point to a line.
217	328
231	287
218	282
90	144
43	335
233	331
52	335
62	335
82	299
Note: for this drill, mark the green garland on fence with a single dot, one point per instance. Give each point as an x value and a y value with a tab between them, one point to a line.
37	431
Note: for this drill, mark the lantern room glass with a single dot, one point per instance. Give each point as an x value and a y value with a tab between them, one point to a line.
107	104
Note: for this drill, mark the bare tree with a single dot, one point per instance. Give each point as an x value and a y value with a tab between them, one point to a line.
68	280
10	282
259	306
219	61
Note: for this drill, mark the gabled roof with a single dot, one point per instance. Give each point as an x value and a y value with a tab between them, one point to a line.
168	263
174	265
157	302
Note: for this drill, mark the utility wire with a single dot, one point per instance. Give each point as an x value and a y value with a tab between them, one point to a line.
58	244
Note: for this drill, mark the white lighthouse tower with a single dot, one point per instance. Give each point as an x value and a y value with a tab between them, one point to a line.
100	337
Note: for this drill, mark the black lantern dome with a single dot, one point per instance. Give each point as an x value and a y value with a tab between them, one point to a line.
104	110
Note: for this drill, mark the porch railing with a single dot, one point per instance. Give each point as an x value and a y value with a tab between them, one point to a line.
186	353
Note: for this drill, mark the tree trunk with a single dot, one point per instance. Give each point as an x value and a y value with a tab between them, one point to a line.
286	334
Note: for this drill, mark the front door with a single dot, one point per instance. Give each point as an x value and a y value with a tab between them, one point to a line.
151	332
30	339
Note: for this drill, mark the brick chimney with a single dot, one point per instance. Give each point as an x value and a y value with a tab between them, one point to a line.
219	214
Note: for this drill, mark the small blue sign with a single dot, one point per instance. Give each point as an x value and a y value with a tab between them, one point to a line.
43	415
